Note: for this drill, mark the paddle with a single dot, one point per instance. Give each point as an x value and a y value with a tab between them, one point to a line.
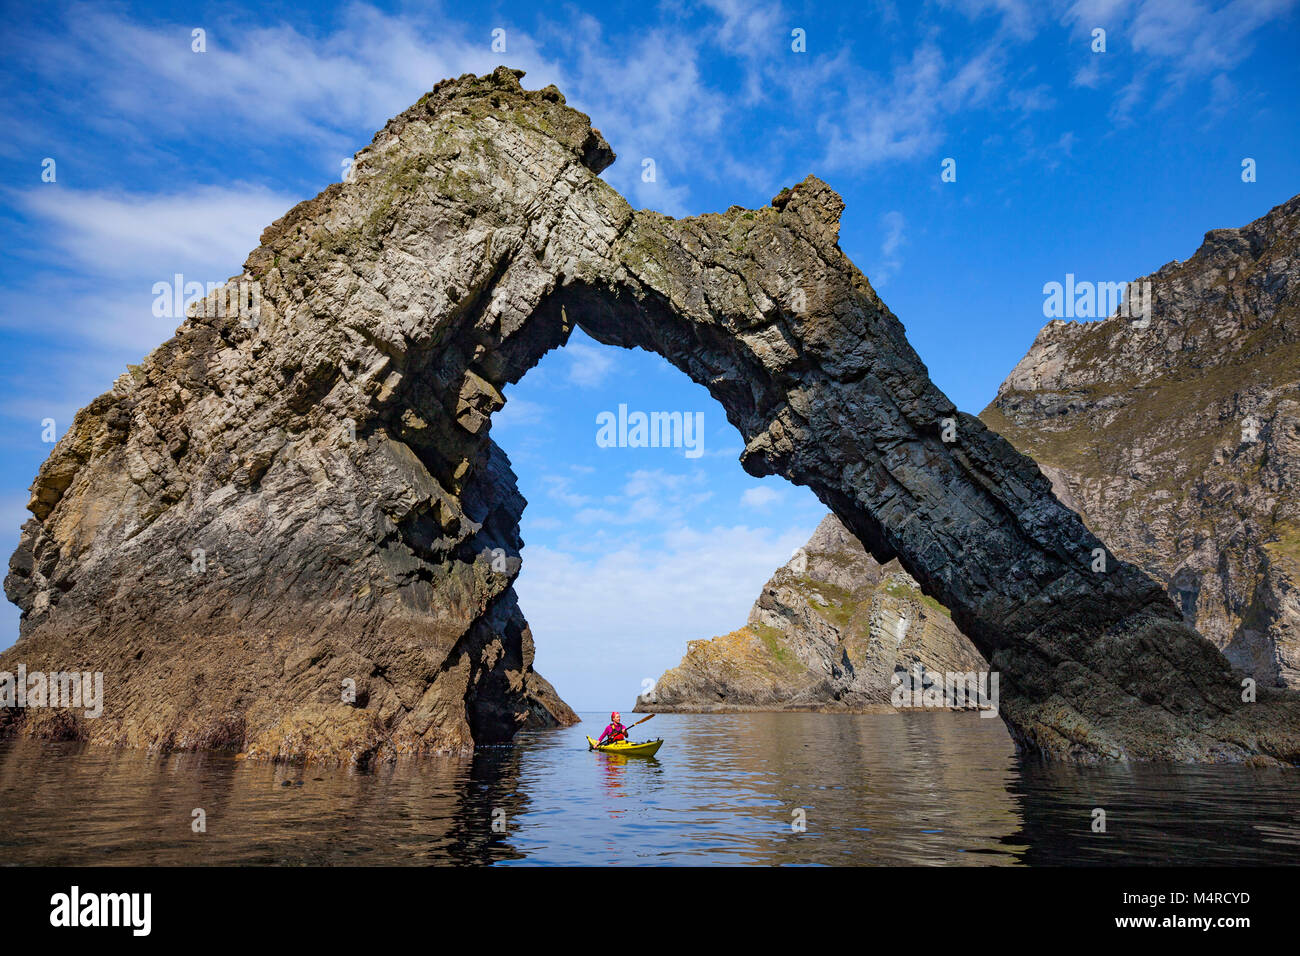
641	721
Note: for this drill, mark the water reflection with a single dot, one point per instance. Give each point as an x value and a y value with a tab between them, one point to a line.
1158	814
924	789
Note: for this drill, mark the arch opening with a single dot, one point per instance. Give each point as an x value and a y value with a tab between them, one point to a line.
642	532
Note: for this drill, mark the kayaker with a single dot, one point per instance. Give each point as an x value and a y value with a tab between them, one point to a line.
615	731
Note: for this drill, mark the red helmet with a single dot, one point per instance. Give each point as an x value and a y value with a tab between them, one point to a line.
616	717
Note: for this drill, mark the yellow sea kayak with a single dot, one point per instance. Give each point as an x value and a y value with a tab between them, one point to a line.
628	748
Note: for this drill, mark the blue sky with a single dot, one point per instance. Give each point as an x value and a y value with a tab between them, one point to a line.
1105	165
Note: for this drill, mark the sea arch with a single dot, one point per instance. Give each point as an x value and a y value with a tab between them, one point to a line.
329	464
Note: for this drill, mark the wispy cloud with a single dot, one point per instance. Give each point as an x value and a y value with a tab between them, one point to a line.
1173	43
518	413
560	488
641	599
760	498
94	256
590	365
651	498
82	301
902	116
1019	18
322	87
890	260
650	101
211	228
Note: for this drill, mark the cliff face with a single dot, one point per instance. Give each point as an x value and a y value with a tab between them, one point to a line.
292	532
827	633
1178	439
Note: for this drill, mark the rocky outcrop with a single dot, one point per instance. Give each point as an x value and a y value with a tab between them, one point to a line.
829	630
1176	435
331	465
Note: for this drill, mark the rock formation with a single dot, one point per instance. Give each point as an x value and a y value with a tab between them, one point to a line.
331	464
827	633
1176	435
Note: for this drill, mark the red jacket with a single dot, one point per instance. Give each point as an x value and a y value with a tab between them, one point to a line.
614	732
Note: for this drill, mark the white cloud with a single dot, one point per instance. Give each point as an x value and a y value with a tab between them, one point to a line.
902	117
650	101
327	86
652	498
1088	14
599	516
1173	42
589	365
649	90
758	34
1035	99
209	228
331	90
1224	96
760	498
95	256
752	30
646	482
890	259
1199	38
1089	75
560	487
1130	97
641	603
1017	17
727	450
519	412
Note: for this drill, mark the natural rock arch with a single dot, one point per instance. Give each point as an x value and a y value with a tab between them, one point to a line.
332	467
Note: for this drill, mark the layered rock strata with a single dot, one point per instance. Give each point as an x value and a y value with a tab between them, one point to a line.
331	463
1176	435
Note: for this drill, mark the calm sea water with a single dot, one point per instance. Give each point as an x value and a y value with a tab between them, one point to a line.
929	789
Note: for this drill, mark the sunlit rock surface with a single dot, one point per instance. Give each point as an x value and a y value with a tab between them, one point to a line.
1178	438
331	464
829	630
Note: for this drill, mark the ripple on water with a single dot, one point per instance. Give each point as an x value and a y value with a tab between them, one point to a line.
923	789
